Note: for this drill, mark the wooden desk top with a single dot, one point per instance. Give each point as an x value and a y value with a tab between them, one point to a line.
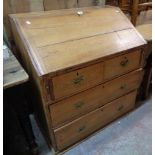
13	73
59	40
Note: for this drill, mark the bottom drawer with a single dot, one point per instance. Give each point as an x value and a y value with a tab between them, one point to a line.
84	126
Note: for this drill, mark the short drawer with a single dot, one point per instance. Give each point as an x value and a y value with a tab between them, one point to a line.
78	80
84	126
122	64
71	108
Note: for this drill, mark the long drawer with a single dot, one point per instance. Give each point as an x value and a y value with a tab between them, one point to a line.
81	79
84	126
77	105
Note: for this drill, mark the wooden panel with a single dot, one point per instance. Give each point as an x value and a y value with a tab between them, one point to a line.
78	80
60	40
19	6
82	127
122	64
57	43
125	6
87	101
49	30
38	89
65	4
65	85
55	58
13	72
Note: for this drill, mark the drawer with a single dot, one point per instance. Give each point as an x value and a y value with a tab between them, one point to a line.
78	80
77	105
82	79
84	126
122	64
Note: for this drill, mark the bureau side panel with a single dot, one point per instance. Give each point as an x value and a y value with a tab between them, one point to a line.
38	85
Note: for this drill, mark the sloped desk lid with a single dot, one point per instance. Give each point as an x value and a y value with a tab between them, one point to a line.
57	40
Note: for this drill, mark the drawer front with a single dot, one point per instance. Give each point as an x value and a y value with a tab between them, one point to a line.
122	64
84	126
77	105
78	80
82	79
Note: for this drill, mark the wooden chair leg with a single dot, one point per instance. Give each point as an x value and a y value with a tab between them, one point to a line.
134	12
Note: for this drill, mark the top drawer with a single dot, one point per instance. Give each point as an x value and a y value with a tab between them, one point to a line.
76	81
121	64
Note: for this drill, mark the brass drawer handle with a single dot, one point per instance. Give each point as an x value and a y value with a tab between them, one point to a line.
123	86
79	105
120	108
124	62
81	128
78	79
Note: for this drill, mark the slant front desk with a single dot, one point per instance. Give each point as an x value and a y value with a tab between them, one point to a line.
85	69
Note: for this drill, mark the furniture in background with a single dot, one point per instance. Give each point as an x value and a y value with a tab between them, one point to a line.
18	134
112	2
137	7
125	6
146	31
85	69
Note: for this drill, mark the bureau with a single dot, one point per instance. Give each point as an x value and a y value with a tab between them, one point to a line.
84	69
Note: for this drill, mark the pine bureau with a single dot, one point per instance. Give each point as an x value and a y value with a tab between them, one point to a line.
85	70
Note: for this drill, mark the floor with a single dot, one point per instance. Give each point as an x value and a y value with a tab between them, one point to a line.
129	135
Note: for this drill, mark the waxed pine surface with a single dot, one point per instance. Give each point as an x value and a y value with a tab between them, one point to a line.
67	39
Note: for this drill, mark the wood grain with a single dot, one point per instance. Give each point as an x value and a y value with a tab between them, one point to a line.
54	45
65	4
82	79
122	64
80	104
87	124
61	40
78	80
18	6
13	72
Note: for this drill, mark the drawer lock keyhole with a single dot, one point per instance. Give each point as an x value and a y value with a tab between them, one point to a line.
81	128
79	105
123	86
120	108
124	62
78	80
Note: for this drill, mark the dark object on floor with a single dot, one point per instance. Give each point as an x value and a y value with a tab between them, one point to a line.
18	135
147	84
146	31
